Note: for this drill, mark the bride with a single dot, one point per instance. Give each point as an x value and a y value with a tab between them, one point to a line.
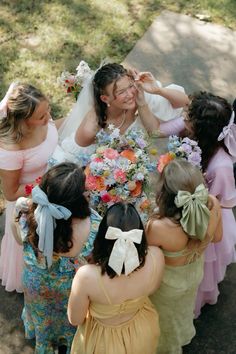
112	97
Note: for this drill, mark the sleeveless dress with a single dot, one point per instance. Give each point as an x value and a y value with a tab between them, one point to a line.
46	293
175	300
138	335
220	181
33	162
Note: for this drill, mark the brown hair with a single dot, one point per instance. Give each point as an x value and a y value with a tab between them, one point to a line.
64	184
209	114
107	74
179	174
21	104
125	217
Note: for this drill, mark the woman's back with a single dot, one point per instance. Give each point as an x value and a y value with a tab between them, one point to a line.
106	292
121	317
177	247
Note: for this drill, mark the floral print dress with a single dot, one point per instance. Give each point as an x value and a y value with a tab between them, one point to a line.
46	293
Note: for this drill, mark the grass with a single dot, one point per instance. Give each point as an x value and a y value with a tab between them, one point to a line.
40	39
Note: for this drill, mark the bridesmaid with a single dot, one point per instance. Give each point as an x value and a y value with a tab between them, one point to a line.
57	231
209	119
187	221
109	299
28	136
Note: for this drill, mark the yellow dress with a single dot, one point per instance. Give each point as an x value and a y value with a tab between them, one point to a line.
138	335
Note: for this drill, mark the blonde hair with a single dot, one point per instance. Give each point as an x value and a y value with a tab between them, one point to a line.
179	174
21	104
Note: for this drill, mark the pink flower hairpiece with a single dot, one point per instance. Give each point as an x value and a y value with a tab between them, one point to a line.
228	134
3	103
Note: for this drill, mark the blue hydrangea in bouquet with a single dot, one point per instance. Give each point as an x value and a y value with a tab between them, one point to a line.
181	148
119	170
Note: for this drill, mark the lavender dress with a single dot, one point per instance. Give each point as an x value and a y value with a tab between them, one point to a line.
220	181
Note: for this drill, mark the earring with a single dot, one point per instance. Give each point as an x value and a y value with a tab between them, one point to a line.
108	105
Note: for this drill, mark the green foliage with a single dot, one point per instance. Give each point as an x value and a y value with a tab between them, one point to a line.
40	39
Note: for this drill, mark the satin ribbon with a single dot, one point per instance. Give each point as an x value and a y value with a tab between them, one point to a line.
229	135
3	103
124	251
195	214
45	215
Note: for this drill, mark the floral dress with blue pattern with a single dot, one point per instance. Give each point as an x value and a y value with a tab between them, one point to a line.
46	293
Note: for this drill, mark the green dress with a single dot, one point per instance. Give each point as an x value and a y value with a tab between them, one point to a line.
175	301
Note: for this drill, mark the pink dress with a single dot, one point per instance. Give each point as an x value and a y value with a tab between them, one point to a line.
220	181
33	162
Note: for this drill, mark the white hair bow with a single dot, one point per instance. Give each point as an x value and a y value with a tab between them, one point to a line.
229	135
124	250
3	103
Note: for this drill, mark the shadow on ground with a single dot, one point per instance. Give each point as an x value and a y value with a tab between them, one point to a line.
216	327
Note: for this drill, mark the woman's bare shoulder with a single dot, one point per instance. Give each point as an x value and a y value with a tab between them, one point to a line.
213	203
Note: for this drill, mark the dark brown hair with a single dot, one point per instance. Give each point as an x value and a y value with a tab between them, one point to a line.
126	218
63	184
209	114
106	75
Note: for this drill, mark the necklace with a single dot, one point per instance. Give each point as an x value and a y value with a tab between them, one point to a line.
123	121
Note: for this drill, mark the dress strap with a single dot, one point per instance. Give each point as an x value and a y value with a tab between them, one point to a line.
174	254
103	287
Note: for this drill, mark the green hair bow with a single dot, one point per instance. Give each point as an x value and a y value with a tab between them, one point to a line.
195	214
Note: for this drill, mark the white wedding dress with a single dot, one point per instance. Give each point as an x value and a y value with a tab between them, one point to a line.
69	150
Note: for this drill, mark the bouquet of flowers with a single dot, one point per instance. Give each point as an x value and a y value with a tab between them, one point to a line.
73	83
29	187
119	170
183	148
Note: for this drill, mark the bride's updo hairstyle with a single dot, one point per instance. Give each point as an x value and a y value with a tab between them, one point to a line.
21	105
208	115
107	74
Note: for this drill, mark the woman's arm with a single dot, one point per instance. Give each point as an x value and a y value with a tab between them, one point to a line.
79	301
217	220
219	230
16	232
150	122
86	133
154	233
12	189
148	83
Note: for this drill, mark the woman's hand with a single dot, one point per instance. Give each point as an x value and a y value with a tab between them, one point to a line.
22	205
147	81
140	99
